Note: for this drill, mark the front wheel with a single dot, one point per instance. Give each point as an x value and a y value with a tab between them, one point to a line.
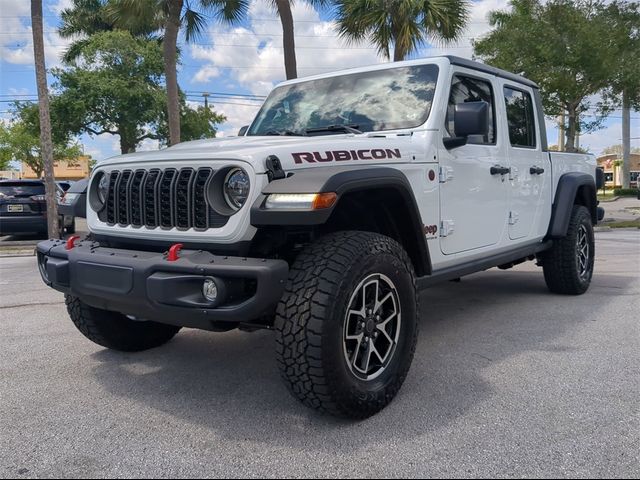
568	265
347	325
116	331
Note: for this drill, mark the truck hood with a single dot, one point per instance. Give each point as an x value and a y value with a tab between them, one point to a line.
294	152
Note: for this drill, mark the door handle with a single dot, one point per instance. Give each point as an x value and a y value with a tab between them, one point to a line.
500	170
535	170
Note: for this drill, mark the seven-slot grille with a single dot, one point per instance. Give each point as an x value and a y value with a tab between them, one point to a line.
161	198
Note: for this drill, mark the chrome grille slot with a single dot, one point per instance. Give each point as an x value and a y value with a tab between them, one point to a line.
169	198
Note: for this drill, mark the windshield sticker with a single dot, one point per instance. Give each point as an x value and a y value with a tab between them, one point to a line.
340	155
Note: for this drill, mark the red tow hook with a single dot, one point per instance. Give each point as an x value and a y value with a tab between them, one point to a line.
174	252
71	242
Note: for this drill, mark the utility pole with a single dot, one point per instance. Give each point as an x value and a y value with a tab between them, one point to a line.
561	137
206	99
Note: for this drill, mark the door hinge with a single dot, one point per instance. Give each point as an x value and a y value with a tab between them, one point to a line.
446	174
513	218
446	228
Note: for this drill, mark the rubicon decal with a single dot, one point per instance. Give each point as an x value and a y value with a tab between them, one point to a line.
341	155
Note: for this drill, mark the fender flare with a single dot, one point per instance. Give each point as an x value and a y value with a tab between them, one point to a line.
567	196
341	180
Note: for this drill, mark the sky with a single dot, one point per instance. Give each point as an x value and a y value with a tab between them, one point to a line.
239	65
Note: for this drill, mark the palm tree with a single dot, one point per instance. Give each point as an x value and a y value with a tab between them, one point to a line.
171	16
403	24
283	8
45	120
88	17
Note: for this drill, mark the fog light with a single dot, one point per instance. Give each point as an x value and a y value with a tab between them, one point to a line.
210	289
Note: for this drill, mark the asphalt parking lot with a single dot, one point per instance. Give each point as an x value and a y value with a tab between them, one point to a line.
508	380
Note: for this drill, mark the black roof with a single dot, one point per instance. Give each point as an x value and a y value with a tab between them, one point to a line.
465	62
20	181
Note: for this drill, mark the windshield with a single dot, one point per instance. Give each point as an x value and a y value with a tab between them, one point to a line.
389	99
21	189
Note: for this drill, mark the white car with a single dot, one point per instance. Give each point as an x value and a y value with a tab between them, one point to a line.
348	194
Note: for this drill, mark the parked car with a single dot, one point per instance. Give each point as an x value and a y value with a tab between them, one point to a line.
74	201
23	208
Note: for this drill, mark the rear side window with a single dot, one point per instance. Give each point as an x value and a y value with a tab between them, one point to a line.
469	89
20	189
520	118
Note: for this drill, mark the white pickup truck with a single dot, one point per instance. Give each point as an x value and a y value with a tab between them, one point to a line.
347	194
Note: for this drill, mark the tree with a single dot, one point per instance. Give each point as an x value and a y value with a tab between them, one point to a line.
172	16
20	140
88	17
623	39
560	46
403	24
113	87
45	121
618	150
195	123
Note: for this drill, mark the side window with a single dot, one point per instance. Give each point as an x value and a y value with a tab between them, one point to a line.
468	89
520	118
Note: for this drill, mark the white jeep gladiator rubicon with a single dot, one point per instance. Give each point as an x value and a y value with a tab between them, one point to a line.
348	194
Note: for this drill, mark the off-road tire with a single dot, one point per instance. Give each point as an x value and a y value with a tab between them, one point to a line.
310	323
561	264
114	330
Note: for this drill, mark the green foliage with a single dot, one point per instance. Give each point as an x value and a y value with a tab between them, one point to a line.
405	24
559	45
113	87
20	139
625	192
195	123
622	19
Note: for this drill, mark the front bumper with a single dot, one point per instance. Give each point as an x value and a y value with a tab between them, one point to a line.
148	286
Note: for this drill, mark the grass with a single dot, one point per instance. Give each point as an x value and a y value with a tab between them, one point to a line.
624	224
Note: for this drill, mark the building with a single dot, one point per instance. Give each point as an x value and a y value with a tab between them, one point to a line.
612	165
64	169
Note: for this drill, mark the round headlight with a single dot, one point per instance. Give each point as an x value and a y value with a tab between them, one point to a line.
236	188
103	188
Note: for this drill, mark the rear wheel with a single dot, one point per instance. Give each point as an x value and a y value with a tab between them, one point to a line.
116	331
347	324
568	266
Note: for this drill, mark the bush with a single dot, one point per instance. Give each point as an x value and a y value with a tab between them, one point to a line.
625	192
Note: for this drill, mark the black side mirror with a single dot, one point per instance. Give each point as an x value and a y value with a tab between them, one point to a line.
470	118
243	130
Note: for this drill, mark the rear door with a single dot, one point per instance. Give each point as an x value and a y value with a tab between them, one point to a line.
473	202
530	177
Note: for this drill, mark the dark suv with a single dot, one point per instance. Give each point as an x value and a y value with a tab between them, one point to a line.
23	208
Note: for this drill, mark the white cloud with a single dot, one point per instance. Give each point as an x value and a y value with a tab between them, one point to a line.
16	42
611	135
477	27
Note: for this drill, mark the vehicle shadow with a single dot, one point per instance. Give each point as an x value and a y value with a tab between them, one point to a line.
229	383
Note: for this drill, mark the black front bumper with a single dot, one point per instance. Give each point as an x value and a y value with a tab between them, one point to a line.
148	286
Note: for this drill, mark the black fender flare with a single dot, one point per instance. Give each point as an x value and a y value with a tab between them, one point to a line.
341	180
569	192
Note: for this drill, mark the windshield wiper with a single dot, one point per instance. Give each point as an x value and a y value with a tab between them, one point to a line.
284	133
353	128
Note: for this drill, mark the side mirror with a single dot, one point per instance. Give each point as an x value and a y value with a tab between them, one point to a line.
243	130
470	118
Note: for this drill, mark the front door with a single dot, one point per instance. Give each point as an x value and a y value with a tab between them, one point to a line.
473	202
